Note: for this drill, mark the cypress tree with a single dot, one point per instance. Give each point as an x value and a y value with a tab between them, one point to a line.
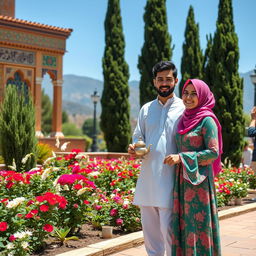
227	85
115	116
17	126
156	47
206	72
192	58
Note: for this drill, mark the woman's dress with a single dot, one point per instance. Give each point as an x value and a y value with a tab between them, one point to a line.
195	225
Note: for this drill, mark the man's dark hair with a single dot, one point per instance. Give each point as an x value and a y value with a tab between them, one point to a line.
164	65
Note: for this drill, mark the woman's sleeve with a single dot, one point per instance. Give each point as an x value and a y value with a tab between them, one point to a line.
196	164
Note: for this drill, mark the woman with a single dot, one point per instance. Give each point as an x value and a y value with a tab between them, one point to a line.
195	227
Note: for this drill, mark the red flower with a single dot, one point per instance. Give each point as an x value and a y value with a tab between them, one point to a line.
205	240
48	228
12	238
29	215
78	186
199	216
203	196
3	226
191	239
86	202
44	208
189	194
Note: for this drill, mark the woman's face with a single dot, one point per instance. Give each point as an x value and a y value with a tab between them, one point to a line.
189	97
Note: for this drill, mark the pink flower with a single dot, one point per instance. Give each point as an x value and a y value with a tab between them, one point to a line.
97	207
113	212
119	222
48	228
3	226
75	206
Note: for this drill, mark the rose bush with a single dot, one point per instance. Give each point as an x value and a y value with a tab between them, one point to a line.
70	190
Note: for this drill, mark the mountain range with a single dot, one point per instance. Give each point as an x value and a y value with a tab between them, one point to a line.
77	92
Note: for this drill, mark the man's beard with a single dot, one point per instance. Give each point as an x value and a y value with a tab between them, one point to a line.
165	93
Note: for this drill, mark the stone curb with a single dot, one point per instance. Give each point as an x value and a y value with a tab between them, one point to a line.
134	239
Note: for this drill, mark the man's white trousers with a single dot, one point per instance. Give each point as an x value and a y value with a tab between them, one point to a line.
156	225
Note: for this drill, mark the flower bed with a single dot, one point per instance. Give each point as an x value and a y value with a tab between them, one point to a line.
71	190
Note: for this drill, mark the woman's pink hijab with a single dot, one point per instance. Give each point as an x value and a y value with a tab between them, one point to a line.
192	117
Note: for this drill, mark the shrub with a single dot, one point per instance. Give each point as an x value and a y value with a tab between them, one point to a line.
17	126
43	151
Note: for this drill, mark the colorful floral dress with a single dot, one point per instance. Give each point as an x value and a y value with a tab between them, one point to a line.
195	226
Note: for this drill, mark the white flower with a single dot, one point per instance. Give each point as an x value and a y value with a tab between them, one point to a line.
64	146
53	154
66	188
13	166
49	159
10	246
26	157
126	201
96	201
15	202
81	191
55	182
57	144
24	244
112	195
46	173
10	254
22	234
93	173
82	155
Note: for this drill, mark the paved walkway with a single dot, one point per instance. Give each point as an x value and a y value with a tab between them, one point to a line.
238	237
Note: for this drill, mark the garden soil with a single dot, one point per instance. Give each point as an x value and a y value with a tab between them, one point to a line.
89	235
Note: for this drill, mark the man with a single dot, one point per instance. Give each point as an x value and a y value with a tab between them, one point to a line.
252	133
157	126
246	155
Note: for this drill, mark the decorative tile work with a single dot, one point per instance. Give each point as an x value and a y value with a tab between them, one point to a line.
50	61
32	39
8	55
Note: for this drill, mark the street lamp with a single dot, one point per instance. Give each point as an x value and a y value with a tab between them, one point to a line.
253	79
95	98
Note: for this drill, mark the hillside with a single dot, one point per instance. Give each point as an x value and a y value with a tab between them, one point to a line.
77	91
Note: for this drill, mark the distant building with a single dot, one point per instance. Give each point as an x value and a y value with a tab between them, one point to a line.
29	50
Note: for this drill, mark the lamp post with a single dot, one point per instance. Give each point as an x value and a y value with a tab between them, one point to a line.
253	79
95	98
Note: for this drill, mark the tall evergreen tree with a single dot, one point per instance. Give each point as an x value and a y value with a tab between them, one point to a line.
17	127
227	85
192	58
115	116
157	46
207	77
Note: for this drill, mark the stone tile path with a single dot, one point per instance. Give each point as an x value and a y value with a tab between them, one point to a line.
238	237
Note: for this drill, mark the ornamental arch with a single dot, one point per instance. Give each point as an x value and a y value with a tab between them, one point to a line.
28	51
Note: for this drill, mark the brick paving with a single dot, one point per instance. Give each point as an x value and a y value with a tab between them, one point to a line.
238	237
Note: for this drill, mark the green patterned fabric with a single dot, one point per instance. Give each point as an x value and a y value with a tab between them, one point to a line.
195	225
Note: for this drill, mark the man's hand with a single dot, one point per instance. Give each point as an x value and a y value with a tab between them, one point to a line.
172	159
131	150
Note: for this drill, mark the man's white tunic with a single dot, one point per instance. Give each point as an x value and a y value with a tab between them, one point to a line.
157	126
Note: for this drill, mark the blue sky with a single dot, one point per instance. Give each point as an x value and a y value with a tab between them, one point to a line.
86	44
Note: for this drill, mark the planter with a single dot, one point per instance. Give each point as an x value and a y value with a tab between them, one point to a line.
107	231
238	201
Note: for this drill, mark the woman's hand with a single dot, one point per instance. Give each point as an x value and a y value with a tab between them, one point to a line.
172	159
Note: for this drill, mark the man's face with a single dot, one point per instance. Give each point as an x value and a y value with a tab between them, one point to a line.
165	83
